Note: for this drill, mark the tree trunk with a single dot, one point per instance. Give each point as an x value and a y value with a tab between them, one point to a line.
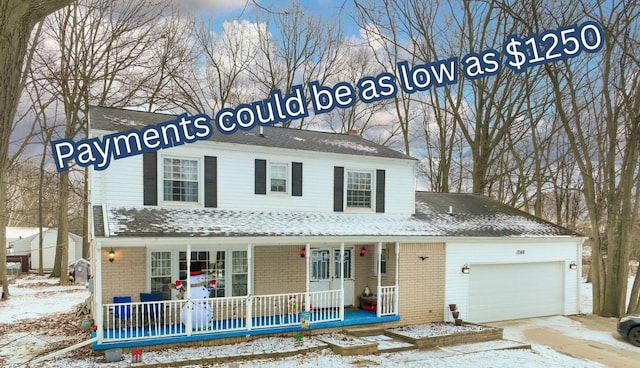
17	19
61	265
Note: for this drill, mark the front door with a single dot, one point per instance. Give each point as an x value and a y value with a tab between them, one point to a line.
325	271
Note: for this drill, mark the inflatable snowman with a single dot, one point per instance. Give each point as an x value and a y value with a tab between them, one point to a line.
198	306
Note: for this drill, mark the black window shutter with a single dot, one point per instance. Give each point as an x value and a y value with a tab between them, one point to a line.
210	181
338	188
261	177
150	178
296	181
379	190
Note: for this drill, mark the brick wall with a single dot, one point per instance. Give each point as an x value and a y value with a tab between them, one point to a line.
126	275
279	270
421	282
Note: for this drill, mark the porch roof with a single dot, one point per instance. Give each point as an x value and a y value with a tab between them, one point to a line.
470	215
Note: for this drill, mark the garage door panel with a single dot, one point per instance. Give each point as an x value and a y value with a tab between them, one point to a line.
510	291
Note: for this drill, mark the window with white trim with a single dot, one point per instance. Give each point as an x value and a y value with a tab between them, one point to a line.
359	187
161	273
180	178
278	175
239	272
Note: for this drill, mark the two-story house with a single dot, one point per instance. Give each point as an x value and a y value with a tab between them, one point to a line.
275	222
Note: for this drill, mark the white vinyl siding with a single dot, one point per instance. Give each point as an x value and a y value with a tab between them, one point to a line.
122	182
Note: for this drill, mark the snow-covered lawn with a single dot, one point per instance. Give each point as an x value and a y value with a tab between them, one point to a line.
41	317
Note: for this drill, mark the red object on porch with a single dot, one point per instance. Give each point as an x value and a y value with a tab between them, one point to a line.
136	355
303	252
363	251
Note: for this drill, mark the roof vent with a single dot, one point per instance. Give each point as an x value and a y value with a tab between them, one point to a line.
353	132
261	131
450	211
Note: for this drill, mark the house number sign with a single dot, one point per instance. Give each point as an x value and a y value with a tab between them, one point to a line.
520	251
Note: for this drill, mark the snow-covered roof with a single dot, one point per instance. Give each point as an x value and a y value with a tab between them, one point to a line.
112	119
471	215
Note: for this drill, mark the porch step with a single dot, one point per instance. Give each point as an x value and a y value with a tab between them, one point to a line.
365	331
387	344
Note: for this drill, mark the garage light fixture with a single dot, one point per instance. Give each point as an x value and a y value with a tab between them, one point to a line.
465	268
573	265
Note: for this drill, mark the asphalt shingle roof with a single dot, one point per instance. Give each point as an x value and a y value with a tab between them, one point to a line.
111	119
472	215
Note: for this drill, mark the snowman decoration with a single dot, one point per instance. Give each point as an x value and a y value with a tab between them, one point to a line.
198	306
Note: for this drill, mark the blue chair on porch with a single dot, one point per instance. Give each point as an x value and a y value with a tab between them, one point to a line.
122	312
152	312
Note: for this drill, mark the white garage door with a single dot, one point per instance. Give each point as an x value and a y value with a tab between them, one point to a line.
510	291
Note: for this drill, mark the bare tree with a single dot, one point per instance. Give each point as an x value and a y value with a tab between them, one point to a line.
101	48
17	19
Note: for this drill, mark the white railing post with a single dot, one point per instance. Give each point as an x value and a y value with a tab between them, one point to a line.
307	296
249	306
189	305
379	288
97	292
396	306
341	281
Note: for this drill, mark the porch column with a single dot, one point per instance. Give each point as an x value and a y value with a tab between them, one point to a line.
342	281
307	296
189	305
379	288
249	287
396	299
97	292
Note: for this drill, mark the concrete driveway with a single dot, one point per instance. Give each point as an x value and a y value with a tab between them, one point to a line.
587	337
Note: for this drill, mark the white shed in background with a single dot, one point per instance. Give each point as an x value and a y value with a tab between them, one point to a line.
30	246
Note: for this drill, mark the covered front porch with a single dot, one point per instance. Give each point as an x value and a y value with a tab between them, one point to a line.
142	323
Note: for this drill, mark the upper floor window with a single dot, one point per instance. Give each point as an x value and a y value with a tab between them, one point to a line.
278	177
359	184
180	179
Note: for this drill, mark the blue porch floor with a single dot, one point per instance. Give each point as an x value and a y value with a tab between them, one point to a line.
351	318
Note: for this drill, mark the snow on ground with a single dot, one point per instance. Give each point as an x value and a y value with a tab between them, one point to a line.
34	296
42	297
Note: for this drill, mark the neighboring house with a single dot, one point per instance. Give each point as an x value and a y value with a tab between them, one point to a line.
30	246
16	233
284	220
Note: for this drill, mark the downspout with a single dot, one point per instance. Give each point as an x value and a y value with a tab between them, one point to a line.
379	288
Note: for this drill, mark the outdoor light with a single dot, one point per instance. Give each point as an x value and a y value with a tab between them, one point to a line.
363	251
112	255
573	265
465	268
303	252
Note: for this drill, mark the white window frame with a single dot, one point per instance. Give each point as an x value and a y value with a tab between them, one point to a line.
199	180
287	178
372	206
245	271
169	275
